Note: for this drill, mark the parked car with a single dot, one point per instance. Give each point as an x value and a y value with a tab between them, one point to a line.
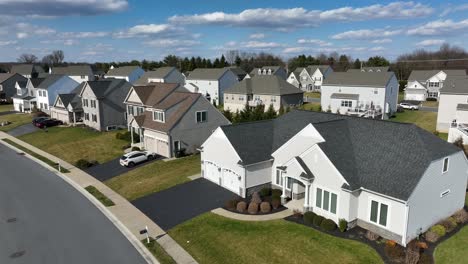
48	123
409	106
132	158
39	119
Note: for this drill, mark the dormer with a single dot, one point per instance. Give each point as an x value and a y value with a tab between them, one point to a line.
159	116
269	71
259	71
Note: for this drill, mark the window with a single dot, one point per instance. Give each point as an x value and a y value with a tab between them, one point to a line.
376	91
241	98
201	116
130	109
326	200
159	116
176	146
379	213
346	103
273	99
93	103
433	84
446	165
279	179
445	193
140	110
46	106
83	77
41	105
257	98
86	117
94	117
433	94
289	182
85	102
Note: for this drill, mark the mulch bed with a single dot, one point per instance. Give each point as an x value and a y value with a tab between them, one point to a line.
247	201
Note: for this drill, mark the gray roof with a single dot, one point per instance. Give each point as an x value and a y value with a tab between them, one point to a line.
103	87
386	157
424	75
372	69
122	71
455	85
36	81
297	72
26	69
264	84
238	71
312	68
344	96
50	80
273	69
159	73
207	74
355	78
5	76
462	107
73	70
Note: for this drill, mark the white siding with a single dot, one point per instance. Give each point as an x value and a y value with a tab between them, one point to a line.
447	109
258	174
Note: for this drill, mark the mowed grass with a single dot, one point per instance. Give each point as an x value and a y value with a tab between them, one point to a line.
155	177
74	143
100	196
210	238
6	107
454	250
158	252
16	121
423	119
310	106
312	94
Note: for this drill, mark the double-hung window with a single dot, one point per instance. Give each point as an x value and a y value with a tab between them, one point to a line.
326	200
346	103
93	103
378	213
159	116
94	117
278	178
85	102
130	109
201	116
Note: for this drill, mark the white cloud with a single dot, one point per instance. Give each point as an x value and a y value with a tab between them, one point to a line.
452	9
382	41
260	45
366	34
440	27
8	42
257	36
152	29
171	43
314	42
86	34
22	35
430	42
64	42
377	48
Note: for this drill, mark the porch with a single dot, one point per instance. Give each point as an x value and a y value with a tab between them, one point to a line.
296	192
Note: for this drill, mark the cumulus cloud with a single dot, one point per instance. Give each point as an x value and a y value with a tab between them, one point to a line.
314	42
174	43
22	35
430	42
382	41
452	9
257	36
260	45
8	42
86	34
440	27
366	34
61	7
151	30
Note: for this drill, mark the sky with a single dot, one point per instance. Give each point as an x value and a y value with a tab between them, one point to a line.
121	30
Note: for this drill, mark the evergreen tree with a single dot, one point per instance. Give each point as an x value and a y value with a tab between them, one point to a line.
223	62
258	113
357	64
270	113
246	114
281	110
238	61
228	114
236	117
288	109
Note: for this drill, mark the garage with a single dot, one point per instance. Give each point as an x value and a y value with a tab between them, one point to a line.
231	181
211	172
158	146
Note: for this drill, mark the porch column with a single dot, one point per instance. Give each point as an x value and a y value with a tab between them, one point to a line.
74	119
283	195
307	197
131	133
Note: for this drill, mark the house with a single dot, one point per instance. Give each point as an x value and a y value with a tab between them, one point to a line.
128	73
25	98
27	70
451	114
310	78
386	177
170	119
79	73
50	87
270	70
8	85
239	72
425	85
163	75
372	69
363	94
211	83
102	103
262	90
67	107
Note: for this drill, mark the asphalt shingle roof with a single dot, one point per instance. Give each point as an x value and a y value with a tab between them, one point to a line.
424	75
358	78
371	69
382	156
50	80
273	69
122	71
207	74
73	70
312	68
159	73
26	69
5	76
455	85
103	87
264	84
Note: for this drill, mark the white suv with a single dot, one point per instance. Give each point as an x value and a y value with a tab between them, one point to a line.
409	106
132	158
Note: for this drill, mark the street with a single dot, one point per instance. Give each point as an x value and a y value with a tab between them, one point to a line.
45	220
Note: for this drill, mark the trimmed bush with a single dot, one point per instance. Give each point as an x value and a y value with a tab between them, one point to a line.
231	204
328	225
318	220
83	164
253	208
256	198
449	224
264	192
461	216
276	203
439	230
241	206
431	236
276	193
390	243
343	225
135	149
309	217
265	207
371	236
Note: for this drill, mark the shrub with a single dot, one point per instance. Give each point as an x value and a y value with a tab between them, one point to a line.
135	149
241	206
309	217
461	216
118	135
264	192
253	208
431	99
395	253
343	225
124	147
328	225
431	236
93	163
390	243
265	207
83	164
371	236
231	204
449	224
256	198
180	153
276	193
276	203
439	230
318	219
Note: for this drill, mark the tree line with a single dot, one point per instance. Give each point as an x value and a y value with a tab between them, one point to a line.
254	113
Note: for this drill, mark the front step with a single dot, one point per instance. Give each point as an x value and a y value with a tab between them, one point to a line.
295	205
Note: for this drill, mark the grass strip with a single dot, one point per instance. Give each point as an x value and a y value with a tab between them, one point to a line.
158	252
99	195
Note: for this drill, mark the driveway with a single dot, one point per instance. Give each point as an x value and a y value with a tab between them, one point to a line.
23	130
45	220
183	202
113	169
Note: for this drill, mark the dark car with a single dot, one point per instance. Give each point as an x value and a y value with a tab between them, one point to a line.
48	123
39	119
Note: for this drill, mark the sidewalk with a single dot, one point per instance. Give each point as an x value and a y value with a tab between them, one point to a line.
123	213
245	217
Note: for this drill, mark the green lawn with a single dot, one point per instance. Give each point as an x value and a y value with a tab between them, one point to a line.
454	250
312	94
74	143
6	107
155	177
401	96
100	196
16	121
431	103
310	106
210	238
158	252
423	119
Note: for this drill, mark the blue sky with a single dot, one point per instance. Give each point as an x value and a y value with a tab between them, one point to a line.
120	30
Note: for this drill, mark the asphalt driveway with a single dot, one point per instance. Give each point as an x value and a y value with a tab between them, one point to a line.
183	202
113	169
23	130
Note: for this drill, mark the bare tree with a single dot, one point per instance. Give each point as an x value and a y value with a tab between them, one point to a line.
27	58
58	56
231	56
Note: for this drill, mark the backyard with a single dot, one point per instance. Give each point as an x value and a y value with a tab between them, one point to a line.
454	250
74	143
6	107
155	177
15	119
210	238
423	119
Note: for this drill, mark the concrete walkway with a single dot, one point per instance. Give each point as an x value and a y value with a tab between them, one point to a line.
243	217
127	218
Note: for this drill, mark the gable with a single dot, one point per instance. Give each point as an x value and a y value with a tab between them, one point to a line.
87	91
133	97
415	85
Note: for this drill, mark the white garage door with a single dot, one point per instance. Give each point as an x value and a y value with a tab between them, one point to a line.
231	181
150	144
163	148
211	172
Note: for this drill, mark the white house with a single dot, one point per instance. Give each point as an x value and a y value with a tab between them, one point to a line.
452	115
50	87
270	70
211	83
25	98
363	94
386	177
67	107
162	75
423	85
309	78
79	73
128	73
